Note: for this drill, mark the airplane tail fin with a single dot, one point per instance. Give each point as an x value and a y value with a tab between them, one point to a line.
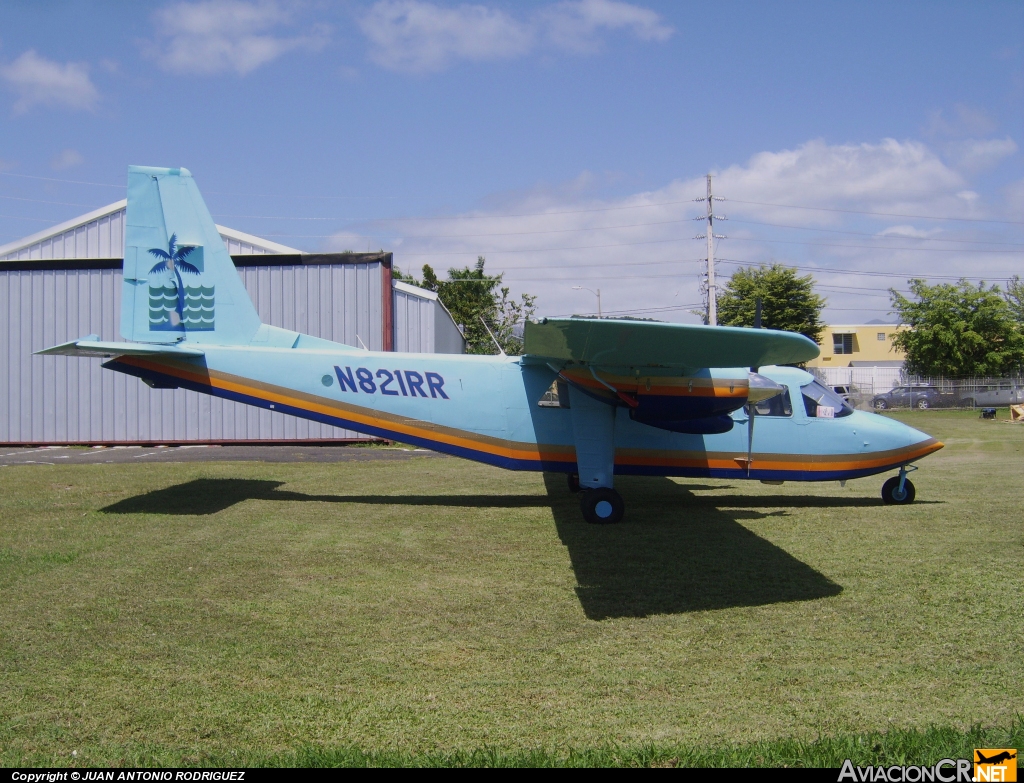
180	284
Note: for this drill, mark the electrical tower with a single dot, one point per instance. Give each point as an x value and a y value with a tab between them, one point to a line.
711	313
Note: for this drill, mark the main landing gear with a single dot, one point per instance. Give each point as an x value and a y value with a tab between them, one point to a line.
899	490
602	506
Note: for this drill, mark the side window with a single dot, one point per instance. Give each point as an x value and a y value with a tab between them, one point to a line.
842	343
779	405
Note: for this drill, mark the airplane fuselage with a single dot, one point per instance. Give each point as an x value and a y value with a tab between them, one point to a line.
485	408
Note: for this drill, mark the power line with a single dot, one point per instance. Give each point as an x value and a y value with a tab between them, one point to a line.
42	201
55	179
19	217
878	236
879	214
903	275
870	247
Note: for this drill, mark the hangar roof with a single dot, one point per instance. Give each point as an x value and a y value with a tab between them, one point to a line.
100	234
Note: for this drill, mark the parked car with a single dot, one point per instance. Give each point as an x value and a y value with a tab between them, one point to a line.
843	391
912	397
993	395
854	396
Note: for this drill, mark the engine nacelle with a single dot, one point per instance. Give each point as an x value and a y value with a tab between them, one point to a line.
696	404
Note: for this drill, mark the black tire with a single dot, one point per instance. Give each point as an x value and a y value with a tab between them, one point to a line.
922	405
880	405
889	492
574	482
602	506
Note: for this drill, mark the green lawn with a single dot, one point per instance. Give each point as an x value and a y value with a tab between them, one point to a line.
436	609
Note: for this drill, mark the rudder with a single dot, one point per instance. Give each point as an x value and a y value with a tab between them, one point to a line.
180	284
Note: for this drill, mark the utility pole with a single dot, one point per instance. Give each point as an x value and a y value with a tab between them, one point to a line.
711	236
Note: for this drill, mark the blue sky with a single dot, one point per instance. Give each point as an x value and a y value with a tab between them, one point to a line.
563	140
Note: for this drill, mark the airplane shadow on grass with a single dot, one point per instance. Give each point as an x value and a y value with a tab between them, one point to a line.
676	552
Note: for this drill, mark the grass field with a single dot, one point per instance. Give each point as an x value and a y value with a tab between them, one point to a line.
438	611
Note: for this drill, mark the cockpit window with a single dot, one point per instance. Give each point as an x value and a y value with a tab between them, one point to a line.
823	403
779	405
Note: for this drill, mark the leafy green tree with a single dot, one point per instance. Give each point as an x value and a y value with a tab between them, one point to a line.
788	302
1015	299
958	330
471	295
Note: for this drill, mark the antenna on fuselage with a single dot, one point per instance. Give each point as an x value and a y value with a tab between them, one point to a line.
495	339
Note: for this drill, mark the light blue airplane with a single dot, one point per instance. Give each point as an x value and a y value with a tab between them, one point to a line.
590	398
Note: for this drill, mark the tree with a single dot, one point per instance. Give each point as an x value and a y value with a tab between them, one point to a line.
470	295
1015	299
788	302
957	330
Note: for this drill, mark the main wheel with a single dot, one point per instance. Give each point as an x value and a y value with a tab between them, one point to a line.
574	482
921	404
602	506
881	405
891	494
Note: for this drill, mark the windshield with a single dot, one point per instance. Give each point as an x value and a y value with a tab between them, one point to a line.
823	403
779	405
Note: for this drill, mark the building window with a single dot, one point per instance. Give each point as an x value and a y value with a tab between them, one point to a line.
842	343
881	337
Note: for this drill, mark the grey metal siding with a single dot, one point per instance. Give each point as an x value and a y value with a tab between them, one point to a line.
414	323
447	337
103	237
99	238
59	399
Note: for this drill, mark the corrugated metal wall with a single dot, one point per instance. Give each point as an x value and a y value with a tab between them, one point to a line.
99	238
58	399
103	237
414	321
238	248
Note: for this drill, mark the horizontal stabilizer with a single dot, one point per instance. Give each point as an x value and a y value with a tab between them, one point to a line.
89	346
620	343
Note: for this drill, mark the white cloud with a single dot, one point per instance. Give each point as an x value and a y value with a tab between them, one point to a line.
42	82
213	36
575	26
639	249
885	177
66	159
419	36
908	231
975	155
965	121
410	35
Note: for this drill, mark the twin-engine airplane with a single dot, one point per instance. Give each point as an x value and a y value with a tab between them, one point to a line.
591	398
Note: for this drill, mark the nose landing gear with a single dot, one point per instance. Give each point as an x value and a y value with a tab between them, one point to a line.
899	490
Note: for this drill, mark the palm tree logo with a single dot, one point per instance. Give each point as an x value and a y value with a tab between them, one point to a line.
173	259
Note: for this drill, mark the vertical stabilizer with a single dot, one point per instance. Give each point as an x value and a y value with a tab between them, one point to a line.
179	281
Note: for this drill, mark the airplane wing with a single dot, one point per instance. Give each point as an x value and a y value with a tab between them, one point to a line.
614	342
92	346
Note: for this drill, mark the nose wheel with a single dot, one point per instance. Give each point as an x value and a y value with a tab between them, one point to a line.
899	490
602	506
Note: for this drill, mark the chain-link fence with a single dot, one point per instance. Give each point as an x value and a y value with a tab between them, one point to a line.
883	388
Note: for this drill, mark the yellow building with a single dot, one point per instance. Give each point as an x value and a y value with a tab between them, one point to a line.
849	345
